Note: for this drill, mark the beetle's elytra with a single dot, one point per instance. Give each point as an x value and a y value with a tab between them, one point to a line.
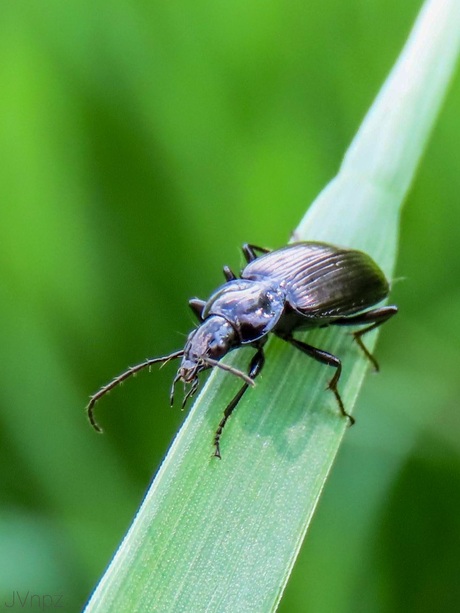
300	286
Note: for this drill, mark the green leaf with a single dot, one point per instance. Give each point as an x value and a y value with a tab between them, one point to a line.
223	535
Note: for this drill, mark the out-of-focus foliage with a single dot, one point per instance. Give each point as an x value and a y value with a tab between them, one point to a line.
140	144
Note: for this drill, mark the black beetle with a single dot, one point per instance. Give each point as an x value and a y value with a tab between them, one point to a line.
300	286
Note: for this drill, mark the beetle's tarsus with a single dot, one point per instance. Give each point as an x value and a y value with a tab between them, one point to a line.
216	453
351	420
334	390
333	387
255	367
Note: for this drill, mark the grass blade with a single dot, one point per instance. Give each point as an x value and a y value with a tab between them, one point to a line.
223	536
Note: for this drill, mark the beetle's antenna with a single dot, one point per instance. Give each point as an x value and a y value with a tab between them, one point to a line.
226	367
132	370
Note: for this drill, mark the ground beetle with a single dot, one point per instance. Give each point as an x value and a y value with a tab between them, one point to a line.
300	286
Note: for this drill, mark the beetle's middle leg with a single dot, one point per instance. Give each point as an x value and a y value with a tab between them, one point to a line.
249	251
325	358
255	366
375	317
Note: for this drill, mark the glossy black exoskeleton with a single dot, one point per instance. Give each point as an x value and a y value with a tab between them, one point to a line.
300	286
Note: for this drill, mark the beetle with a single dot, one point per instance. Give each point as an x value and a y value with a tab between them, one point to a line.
300	286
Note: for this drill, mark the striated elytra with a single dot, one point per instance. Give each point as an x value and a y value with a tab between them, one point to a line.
300	286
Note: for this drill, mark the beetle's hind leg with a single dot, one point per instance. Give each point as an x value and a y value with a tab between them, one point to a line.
255	367
325	358
375	317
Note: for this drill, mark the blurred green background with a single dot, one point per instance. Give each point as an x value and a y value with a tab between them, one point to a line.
141	143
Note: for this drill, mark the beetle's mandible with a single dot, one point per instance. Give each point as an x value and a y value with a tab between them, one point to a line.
300	286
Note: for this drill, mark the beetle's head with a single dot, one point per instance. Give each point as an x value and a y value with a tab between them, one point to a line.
205	346
213	339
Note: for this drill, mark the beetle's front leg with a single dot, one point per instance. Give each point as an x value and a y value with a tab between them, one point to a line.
229	274
255	367
375	317
197	307
325	358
